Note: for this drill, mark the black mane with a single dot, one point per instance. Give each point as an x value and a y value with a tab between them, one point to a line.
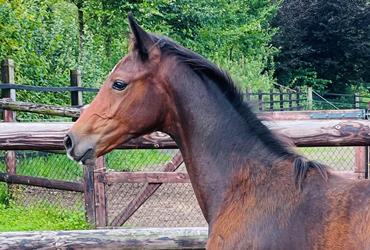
226	85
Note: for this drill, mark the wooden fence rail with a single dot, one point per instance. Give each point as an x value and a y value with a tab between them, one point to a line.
9	104
149	238
45	109
42	182
304	133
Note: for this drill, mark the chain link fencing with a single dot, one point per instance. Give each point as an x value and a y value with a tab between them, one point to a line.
172	205
53	166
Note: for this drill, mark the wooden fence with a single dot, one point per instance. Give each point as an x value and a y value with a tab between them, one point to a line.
340	101
47	136
153	238
278	99
305	128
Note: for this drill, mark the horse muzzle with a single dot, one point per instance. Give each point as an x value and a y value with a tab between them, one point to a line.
81	151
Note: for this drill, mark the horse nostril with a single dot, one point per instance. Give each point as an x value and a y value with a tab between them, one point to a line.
68	143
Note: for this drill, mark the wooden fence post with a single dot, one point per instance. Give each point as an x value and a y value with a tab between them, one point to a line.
76	96
100	195
89	189
360	161
361	153
7	76
366	174
356	101
367	152
297	96
309	98
281	97
271	99
89	196
260	100
290	100
248	94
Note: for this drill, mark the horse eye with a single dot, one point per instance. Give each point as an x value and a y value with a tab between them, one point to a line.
119	85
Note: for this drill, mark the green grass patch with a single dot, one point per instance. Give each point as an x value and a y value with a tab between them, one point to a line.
40	217
135	160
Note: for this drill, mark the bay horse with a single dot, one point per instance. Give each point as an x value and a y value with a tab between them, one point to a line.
254	191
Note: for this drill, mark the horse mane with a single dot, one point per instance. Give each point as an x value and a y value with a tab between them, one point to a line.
224	82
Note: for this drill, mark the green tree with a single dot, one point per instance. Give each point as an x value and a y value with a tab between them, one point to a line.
39	36
324	43
47	38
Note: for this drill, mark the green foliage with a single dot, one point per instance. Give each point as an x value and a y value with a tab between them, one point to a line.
236	35
47	38
308	77
325	41
40	217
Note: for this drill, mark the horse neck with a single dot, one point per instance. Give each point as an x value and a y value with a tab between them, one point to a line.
214	139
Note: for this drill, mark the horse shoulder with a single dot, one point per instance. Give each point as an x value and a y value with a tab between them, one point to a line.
347	225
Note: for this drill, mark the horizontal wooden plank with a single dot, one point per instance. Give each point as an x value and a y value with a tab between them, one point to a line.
41	182
303	115
174	177
49	136
293	100
303	133
273	93
143	177
39	108
317	133
46	88
41	136
75	112
147	190
148	238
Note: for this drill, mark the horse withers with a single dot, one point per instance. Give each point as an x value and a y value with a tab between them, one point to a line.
254	191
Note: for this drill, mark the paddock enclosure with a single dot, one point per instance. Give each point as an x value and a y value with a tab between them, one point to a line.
144	183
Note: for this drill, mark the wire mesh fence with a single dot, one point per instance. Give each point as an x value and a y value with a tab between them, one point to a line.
337	158
138	159
171	205
277	99
53	166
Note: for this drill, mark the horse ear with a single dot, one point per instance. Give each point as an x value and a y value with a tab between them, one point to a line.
143	41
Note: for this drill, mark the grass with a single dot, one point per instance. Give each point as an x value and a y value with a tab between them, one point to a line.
4	198
40	217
